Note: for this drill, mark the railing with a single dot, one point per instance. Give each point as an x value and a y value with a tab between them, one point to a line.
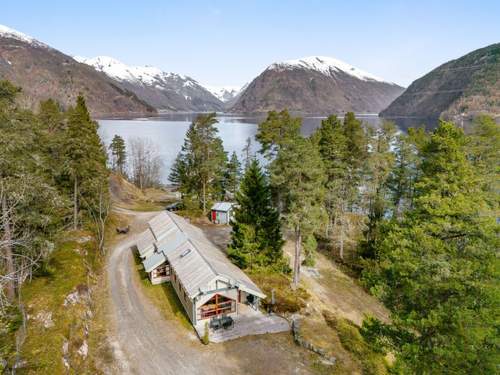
217	309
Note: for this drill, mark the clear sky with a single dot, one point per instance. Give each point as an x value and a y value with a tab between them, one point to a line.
229	42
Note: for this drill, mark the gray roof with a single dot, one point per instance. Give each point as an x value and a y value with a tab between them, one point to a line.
222	206
196	261
154	261
145	243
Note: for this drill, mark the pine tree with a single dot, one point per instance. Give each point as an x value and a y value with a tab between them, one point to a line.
118	154
85	159
276	130
298	172
436	269
232	175
332	145
256	238
199	167
380	163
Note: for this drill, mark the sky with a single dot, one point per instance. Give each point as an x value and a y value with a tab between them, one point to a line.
229	42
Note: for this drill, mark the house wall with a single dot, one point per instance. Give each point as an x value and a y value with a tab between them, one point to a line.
186	302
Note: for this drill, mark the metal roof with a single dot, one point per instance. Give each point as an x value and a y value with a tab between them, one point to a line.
145	243
222	206
196	261
153	261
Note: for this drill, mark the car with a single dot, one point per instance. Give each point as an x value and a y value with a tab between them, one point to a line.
176	206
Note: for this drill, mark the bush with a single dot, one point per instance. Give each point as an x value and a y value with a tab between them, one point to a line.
206	338
372	361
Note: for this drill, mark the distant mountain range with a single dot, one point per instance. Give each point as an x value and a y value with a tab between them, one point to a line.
316	85
164	91
312	85
44	72
458	89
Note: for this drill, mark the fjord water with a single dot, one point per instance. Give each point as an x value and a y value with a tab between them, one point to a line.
168	131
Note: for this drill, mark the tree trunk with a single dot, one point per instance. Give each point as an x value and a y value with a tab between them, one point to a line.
296	262
75	204
341	252
204	198
10	286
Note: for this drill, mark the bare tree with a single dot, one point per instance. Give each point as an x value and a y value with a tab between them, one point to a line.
145	163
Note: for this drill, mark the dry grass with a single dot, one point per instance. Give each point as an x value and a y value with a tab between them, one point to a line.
72	266
287	300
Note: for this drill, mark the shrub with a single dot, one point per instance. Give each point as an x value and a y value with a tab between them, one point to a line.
206	338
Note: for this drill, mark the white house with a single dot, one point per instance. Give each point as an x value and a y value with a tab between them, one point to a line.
206	282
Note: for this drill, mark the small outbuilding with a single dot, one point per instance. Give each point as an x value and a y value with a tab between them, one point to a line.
222	212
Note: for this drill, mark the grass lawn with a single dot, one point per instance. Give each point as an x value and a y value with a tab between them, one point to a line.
163	296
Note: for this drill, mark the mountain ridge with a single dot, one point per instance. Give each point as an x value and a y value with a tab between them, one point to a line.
43	72
316	84
457	89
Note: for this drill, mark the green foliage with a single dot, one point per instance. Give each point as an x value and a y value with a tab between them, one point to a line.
232	175
371	359
437	268
200	166
118	154
256	239
276	130
310	245
206	339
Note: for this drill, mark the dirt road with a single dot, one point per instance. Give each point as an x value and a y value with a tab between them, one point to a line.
145	343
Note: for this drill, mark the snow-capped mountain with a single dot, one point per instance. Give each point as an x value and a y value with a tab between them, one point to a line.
224	93
7	32
162	90
328	66
44	72
316	84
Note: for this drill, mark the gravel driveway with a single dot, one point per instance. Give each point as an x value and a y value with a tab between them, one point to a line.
145	343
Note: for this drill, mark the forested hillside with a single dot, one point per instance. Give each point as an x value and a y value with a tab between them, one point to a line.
54	207
412	215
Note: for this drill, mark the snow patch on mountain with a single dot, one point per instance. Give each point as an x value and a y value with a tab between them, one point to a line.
325	65
224	93
7	32
147	75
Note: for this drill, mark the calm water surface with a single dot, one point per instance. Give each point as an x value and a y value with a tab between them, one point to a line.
168	132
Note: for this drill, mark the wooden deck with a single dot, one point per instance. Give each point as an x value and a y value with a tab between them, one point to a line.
247	322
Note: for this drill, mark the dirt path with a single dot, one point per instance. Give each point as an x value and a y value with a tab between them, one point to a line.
145	343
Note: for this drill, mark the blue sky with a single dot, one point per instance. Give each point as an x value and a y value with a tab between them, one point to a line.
229	42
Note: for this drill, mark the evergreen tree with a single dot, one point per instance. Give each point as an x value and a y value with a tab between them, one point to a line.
85	159
436	269
232	175
118	154
332	145
256	236
276	130
199	168
355	158
380	163
298	172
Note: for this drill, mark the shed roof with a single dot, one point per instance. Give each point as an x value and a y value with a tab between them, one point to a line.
222	206
196	260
